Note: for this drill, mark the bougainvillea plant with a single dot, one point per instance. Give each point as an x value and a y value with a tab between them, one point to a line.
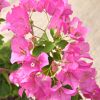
56	68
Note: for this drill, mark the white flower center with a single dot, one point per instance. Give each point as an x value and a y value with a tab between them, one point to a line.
32	64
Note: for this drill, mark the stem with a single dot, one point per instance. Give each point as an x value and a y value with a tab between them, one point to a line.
32	23
47	16
48	71
39	28
4	69
32	29
47	19
37	37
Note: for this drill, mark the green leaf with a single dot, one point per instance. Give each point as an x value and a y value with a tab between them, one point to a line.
2	20
57	56
37	50
24	96
1	41
42	39
50	59
57	40
5	88
1	37
14	66
46	70
5	53
76	97
14	91
52	32
47	46
54	81
5	75
62	44
68	87
2	63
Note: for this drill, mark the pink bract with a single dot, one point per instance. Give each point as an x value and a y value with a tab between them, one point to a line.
27	4
77	30
3	4
20	49
18	21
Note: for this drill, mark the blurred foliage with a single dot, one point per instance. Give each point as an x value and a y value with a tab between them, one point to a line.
8	91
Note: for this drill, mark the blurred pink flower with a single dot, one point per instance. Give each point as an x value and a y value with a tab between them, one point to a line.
27	4
18	21
58	92
20	49
29	66
3	4
60	18
77	30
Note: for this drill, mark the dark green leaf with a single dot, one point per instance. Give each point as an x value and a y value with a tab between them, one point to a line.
54	81
50	59
2	20
76	97
5	75
24	96
52	32
37	50
1	41
49	46
5	53
42	39
1	37
14	91
62	44
15	66
46	70
57	40
46	47
68	87
57	56
5	88
2	63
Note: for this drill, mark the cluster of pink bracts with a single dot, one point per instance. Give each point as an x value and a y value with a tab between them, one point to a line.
75	68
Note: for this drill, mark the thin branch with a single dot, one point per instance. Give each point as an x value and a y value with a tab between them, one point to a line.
37	37
4	69
47	19
47	16
39	28
32	28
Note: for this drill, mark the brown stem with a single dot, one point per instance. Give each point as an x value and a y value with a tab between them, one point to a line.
39	28
4	69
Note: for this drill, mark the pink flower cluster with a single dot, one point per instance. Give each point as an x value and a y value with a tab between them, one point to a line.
68	77
3	4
